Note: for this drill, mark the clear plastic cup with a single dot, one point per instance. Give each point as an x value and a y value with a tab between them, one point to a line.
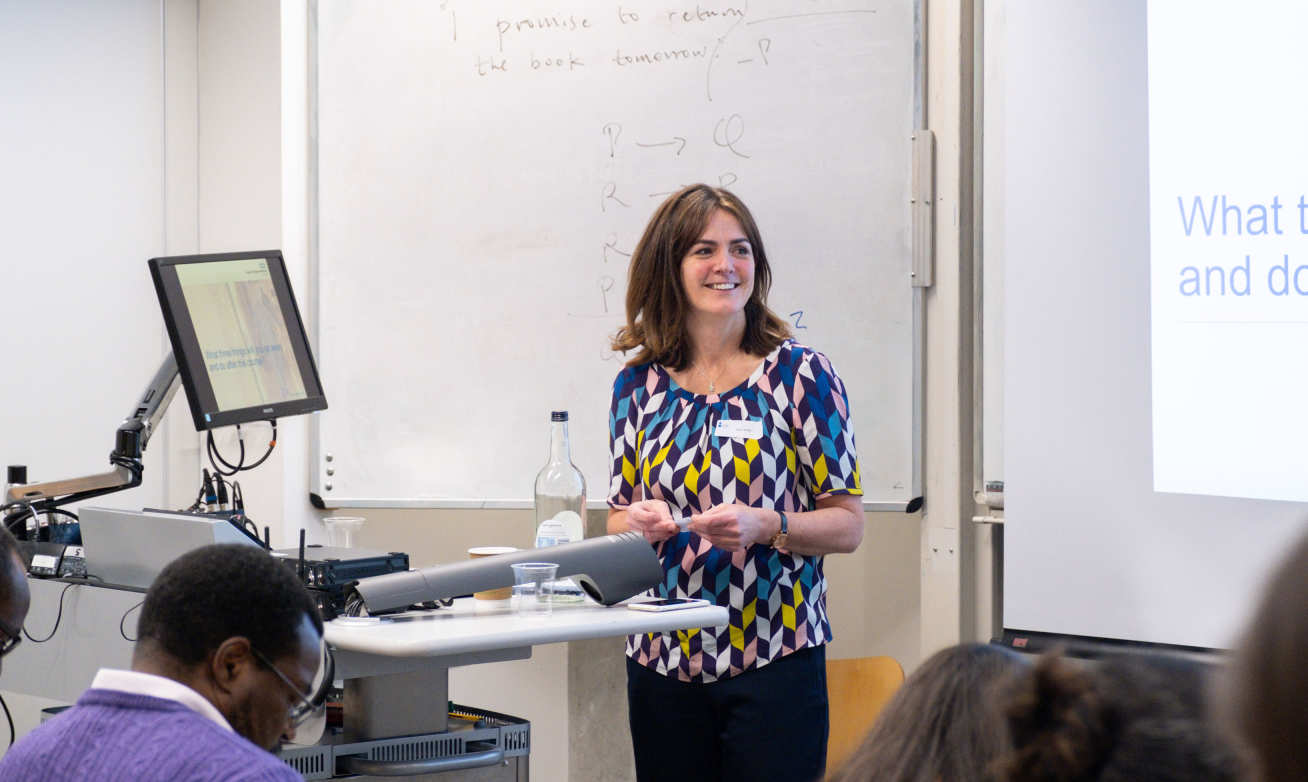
533	588
341	530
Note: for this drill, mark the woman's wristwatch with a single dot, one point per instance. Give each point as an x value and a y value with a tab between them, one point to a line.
783	534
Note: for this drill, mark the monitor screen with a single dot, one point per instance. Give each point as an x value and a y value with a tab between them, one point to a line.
237	336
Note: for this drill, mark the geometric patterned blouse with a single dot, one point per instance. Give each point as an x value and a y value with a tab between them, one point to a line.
666	445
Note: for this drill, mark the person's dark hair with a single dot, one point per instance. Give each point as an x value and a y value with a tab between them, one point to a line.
12	566
9	546
942	723
656	301
1123	720
1266	696
217	592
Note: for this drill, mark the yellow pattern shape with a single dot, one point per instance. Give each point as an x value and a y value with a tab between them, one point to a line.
747	614
683	638
693	475
742	470
788	607
657	460
820	470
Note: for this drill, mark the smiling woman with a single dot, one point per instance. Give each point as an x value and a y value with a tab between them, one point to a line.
658	305
723	422
718	274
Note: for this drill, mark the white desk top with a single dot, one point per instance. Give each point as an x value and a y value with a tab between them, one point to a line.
480	626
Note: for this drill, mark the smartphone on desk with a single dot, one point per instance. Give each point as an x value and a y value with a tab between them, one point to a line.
659	604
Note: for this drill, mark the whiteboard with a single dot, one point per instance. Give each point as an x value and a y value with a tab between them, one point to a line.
82	196
483	174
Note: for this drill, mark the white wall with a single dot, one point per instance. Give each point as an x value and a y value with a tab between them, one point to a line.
177	436
81	151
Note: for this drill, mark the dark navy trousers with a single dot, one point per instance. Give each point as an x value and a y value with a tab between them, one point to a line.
769	724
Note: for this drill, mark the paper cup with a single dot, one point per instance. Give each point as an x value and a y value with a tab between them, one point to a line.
503	593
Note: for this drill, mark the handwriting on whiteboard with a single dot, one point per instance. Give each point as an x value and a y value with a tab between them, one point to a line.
573	42
637	159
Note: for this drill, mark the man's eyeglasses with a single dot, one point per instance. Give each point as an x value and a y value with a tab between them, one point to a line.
308	702
11	639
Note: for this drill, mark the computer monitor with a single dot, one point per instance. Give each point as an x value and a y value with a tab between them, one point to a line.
237	337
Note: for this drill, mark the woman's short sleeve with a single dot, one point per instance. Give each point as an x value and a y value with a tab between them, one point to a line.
824	432
624	487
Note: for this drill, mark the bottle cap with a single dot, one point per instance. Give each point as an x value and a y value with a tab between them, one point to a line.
559	415
18	472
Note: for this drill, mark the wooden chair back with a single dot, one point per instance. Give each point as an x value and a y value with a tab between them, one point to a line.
857	689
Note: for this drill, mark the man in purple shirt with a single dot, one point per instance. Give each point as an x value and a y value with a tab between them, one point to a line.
229	658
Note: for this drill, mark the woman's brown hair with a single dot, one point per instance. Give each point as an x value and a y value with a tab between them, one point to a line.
656	301
942	724
1123	719
1266	690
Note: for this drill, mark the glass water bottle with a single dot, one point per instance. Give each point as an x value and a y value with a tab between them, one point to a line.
560	501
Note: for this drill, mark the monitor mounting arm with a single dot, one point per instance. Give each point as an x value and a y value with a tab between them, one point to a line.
129	445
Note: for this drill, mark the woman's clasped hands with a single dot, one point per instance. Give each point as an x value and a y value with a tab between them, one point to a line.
653	519
732	527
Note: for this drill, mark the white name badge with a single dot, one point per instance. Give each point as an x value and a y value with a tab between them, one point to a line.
738	430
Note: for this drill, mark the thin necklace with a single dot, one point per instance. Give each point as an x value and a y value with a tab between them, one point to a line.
713	389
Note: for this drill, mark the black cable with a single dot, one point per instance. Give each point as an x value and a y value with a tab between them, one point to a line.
199	500
122	622
34	513
11	522
272	443
127	462
216	458
246	524
10	718
58	618
206	485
